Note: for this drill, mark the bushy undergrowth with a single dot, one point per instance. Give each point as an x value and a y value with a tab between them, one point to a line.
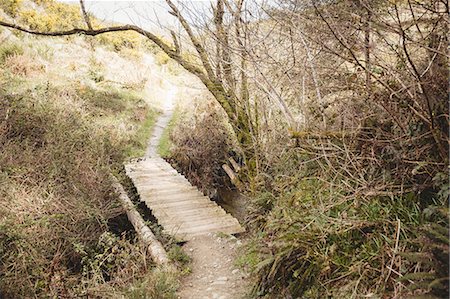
52	15
319	242
352	216
58	144
200	148
355	203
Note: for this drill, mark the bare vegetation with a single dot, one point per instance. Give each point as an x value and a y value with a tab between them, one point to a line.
339	112
201	145
349	127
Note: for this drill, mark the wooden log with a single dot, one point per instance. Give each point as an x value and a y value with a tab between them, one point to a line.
233	177
235	165
144	233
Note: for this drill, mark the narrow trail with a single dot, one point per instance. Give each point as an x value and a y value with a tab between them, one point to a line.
214	274
163	121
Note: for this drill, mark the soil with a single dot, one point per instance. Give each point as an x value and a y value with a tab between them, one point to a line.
214	274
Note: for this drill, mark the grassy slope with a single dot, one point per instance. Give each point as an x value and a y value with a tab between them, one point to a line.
63	127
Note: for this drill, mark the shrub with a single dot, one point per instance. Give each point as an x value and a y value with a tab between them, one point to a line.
56	16
162	58
9	50
52	150
322	240
121	40
11	7
200	149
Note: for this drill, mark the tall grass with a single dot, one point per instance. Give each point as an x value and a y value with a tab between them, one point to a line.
58	143
319	240
10	49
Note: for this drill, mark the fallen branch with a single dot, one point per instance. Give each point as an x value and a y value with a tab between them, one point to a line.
145	234
232	175
318	135
235	165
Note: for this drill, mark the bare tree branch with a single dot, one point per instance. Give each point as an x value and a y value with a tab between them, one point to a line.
85	15
198	46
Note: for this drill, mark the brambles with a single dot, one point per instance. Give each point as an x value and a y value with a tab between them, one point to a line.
200	148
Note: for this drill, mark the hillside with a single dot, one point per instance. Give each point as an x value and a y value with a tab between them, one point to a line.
319	127
71	111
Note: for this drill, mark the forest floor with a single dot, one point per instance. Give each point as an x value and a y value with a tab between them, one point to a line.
213	274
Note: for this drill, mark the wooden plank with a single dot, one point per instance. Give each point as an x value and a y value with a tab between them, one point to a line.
163	184
190	218
180	208
159	175
175	214
152	191
199	222
219	221
204	225
179	204
177	198
186	234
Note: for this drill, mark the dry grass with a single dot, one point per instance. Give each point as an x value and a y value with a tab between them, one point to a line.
22	66
58	142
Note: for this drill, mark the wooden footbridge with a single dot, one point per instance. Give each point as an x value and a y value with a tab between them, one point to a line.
180	208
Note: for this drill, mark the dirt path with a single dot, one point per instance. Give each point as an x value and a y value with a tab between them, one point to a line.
214	275
213	271
163	120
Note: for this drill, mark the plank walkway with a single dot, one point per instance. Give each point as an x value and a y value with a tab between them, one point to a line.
180	208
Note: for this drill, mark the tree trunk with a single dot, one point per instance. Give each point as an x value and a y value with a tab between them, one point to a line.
144	233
